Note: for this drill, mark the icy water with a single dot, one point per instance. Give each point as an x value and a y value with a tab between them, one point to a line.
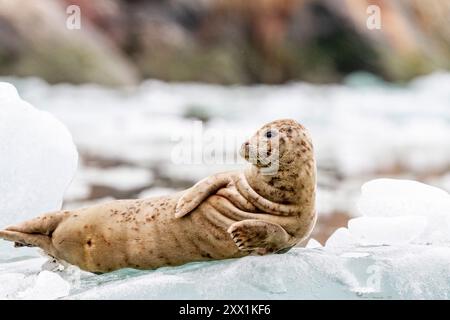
362	129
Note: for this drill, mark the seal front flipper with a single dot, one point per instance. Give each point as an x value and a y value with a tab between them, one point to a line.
259	236
194	196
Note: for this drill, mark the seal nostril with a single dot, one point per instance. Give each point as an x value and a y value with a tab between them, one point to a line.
247	143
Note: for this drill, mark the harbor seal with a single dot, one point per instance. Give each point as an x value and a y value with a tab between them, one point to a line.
226	215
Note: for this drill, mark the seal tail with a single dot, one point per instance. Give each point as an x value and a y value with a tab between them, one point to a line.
36	232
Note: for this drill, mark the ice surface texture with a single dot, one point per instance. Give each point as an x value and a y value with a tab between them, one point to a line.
355	272
352	273
37	159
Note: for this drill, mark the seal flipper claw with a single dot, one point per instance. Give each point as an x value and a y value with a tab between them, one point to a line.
259	236
194	196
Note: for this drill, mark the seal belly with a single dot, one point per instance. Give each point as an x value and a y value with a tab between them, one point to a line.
198	237
212	237
143	234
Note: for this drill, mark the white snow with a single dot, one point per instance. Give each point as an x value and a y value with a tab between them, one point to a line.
37	159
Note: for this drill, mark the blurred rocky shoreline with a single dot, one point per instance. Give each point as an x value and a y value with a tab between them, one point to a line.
122	42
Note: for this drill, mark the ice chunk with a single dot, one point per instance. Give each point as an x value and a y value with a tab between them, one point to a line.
397	212
37	159
387	231
395	198
313	244
392	197
48	285
339	239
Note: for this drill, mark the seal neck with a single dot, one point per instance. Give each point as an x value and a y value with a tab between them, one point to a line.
288	185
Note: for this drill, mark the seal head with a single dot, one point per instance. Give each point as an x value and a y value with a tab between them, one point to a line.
282	167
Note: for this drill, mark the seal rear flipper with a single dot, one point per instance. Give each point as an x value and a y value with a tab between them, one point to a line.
44	224
260	236
28	240
194	196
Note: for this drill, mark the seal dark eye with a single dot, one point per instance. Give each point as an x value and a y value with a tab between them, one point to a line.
270	134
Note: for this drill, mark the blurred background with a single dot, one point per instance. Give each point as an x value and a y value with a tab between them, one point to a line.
136	74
